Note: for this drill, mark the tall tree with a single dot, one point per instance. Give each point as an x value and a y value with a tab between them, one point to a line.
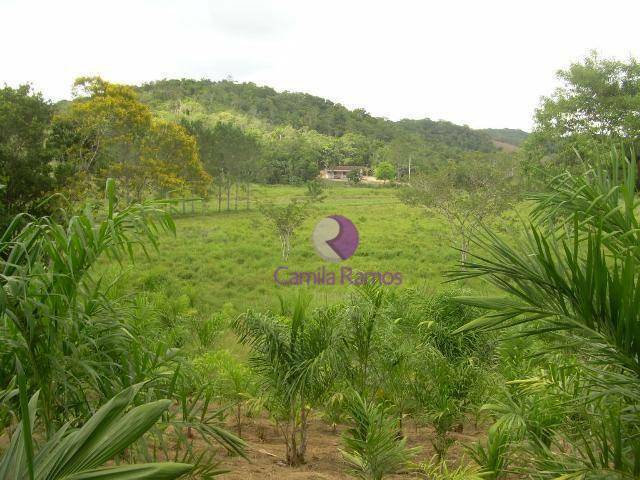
285	220
385	171
170	160
107	131
230	153
293	156
25	171
598	102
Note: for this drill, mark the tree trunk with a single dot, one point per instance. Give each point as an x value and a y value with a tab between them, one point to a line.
295	436
463	249
297	444
249	196
236	195
228	196
286	246
219	197
303	434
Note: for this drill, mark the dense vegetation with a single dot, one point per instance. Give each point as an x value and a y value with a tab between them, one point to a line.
302	110
288	137
142	373
171	137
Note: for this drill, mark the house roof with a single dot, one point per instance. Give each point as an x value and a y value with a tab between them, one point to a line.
345	168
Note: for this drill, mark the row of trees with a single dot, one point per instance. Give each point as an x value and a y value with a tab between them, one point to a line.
372	362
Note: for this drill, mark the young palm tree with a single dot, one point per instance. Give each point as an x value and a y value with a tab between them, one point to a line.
576	280
373	448
294	352
362	324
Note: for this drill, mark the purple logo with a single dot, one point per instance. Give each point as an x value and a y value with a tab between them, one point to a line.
335	238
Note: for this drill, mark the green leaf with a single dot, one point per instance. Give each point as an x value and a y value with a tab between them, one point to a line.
144	471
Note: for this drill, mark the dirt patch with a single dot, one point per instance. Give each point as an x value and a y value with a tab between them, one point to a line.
266	452
506	147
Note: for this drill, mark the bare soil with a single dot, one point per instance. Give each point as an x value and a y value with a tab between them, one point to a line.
266	452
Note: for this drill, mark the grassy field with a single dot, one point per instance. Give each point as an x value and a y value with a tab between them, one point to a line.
220	264
227	260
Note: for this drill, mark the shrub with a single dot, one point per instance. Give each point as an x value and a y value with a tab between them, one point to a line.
232	381
207	329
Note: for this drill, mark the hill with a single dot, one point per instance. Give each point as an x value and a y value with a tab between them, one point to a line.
301	110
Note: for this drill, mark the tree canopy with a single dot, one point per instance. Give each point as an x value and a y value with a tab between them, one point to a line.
24	160
107	131
596	105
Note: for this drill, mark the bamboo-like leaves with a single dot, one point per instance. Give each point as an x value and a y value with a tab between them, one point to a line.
44	282
78	454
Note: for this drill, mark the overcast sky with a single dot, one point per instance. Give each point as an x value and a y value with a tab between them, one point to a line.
481	63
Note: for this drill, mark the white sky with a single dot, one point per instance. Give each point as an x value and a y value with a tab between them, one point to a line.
481	63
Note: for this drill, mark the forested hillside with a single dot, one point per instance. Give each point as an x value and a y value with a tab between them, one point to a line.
188	137
249	133
303	110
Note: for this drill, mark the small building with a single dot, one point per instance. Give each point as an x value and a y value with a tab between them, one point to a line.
340	172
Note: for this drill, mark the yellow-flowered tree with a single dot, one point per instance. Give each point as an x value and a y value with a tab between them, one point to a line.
107	132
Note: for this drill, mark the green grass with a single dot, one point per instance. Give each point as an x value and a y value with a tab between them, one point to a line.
228	259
